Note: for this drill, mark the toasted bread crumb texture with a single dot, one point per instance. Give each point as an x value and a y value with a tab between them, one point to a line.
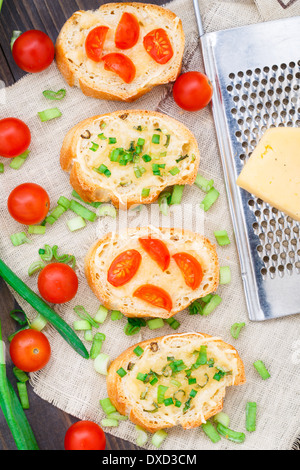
137	150
198	401
172	281
81	71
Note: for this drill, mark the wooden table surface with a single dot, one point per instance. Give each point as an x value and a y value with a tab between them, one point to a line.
48	423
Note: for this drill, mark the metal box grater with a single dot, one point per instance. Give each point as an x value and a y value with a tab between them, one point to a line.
255	71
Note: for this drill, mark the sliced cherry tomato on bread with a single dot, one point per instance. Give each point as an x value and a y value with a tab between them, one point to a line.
157	250
94	43
190	268
155	296
158	46
121	65
124	267
128	31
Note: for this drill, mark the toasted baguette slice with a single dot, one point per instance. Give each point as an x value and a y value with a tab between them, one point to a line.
139	400
102	254
87	146
91	76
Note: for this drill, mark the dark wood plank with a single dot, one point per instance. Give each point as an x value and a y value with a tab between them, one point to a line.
48	423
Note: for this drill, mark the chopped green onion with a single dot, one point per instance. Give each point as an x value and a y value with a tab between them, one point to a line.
145	192
225	275
193	393
182	157
88	336
116	315
18	239
138	351
19	316
1	167
101	314
18	161
251	409
94	147
146	158
196	308
163	202
207	298
133	326
211	305
23	394
211	432
50	220
158	438
107	406
38	323
176	383
15	34
168	136
20	375
222	237
109	423
49	114
161	390
202	358
82	325
76	195
46	253
112	140
64	202
142	436
141	377
262	370
121	372
36	229
116	415
57	96
178	403
174	171
155	323
210	198
222	418
35	267
84	315
155	138
103	170
177	194
236	329
168	401
102	136
238	437
192	380
101	363
140	141
203	183
97	345
174	324
82	211
76	223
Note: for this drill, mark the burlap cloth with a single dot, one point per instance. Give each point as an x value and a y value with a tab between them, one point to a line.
69	382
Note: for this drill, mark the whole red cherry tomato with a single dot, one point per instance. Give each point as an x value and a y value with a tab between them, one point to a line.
58	283
15	137
192	91
28	204
33	51
85	435
30	350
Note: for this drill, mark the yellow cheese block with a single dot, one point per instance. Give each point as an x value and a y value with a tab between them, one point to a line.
272	173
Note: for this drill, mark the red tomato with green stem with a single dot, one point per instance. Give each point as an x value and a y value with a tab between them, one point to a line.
94	43
58	283
121	65
155	296
30	350
190	268
85	435
28	203
15	137
124	267
192	91
33	51
157	250
128	31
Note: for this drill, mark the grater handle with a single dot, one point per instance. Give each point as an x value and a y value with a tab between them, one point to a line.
198	18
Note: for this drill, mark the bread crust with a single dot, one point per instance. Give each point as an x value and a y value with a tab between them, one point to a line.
109	302
91	192
102	92
123	405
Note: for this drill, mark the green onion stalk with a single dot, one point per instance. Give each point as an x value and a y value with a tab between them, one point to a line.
1	2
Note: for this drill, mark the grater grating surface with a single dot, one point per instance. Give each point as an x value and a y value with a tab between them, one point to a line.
255	71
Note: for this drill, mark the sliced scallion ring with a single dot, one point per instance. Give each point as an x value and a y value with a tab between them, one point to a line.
35	267
55	95
15	35
49	114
